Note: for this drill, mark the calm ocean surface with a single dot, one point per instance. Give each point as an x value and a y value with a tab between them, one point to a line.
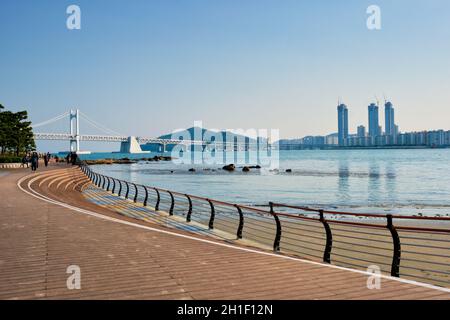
378	181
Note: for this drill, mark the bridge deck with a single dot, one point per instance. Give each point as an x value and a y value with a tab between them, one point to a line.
122	258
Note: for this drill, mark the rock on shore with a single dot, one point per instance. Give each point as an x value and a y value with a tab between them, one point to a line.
109	161
125	160
229	167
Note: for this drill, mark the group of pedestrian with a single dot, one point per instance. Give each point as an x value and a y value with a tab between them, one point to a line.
33	159
72	158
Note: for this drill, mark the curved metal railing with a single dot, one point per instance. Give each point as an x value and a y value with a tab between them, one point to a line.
387	242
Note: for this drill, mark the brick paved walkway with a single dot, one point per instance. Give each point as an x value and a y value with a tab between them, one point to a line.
132	259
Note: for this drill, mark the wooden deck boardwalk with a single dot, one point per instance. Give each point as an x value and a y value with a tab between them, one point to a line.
47	225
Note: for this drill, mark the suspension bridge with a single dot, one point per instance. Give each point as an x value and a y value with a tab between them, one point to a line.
129	144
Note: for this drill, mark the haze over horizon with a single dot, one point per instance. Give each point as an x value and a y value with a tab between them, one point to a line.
146	68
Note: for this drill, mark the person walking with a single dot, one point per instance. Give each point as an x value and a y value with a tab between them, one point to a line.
25	161
34	161
46	159
74	158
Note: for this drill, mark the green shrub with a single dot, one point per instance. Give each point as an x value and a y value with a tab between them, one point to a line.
10	159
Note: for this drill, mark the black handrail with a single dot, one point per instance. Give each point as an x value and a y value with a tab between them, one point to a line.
120	188
276	242
107	187
188	216
146	196
114	186
135	192
128	190
395	267
172	203
241	222
213	214
329	241
158	199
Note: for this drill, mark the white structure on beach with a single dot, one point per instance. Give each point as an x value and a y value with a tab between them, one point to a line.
131	146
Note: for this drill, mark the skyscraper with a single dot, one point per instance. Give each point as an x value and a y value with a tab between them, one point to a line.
342	123
389	118
374	128
361	131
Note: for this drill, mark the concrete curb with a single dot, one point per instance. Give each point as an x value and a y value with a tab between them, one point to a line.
11	166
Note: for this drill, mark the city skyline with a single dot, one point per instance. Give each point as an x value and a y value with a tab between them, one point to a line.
376	136
374	127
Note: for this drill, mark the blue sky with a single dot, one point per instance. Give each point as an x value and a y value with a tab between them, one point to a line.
149	67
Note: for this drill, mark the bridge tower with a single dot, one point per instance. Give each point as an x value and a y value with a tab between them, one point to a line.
74	130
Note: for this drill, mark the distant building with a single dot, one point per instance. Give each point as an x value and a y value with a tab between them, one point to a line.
389	119
342	123
374	128
436	138
332	139
313	141
361	131
447	138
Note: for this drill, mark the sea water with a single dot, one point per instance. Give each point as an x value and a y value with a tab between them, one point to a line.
407	181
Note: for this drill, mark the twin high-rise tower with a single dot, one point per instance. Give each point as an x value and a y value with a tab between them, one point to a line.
374	127
342	123
374	124
389	119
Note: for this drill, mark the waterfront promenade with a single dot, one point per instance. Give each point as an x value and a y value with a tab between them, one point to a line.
47	225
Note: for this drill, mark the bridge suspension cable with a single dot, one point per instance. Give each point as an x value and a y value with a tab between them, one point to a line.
43	123
99	126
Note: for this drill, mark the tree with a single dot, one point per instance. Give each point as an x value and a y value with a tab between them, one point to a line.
3	129
22	138
16	134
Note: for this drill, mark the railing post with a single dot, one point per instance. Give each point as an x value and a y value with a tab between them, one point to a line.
114	186
104	182
128	190
395	268
120	187
276	243
158	199
329	241
135	192
213	215
107	188
97	178
172	203
146	196
188	216
241	222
